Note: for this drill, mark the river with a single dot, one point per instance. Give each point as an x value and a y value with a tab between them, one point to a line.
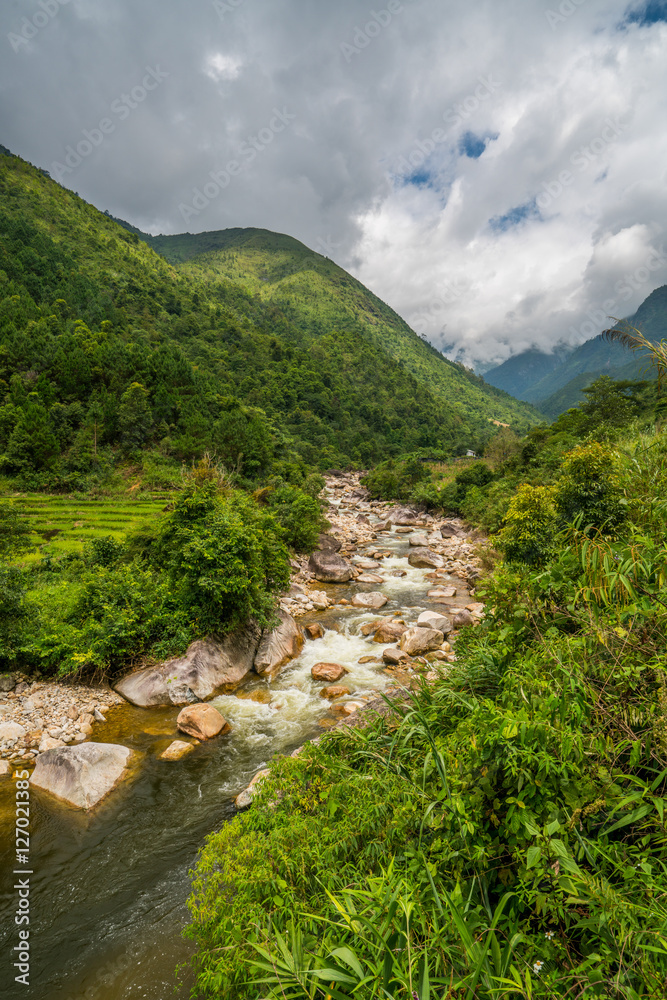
109	889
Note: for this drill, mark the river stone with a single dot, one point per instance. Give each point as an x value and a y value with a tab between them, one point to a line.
431	619
7	683
463	618
208	667
11	731
4	768
52	743
444	592
389	632
425	559
403	516
81	775
315	631
202	721
278	646
244	799
373	600
330	672
421	640
327	543
329	567
334	691
364	563
418	541
176	750
392	656
369	578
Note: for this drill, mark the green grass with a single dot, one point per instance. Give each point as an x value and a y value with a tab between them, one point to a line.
62	525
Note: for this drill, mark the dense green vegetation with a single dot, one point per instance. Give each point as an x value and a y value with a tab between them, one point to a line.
316	296
135	581
502	834
111	358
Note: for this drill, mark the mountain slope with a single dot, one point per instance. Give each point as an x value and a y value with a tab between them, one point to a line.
318	296
554	384
520	373
110	354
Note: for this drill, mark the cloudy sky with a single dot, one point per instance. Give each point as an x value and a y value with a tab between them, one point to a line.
495	171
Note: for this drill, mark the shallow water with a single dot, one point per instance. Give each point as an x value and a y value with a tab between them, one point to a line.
109	890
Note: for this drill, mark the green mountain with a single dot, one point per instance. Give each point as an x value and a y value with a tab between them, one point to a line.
554	384
317	295
243	344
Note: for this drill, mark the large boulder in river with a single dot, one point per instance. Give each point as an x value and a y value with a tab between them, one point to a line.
208	667
329	567
417	641
202	721
372	600
425	559
403	516
278	646
81	775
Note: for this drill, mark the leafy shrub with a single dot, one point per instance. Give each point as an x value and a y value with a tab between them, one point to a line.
103	551
531	525
299	515
590	488
224	555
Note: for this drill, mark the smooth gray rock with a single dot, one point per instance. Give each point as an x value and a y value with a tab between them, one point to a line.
82	775
11	731
328	567
425	559
209	667
278	646
7	683
431	619
372	600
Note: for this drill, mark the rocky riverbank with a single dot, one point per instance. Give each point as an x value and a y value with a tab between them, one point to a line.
38	715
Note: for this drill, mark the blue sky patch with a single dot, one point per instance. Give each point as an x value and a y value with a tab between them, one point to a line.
472	145
515	216
649	12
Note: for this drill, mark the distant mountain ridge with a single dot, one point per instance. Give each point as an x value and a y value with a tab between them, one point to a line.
554	383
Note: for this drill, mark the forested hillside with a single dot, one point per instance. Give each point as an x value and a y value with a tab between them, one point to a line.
317	295
110	353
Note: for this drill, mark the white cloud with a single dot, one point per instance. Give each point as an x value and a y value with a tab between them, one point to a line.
492	253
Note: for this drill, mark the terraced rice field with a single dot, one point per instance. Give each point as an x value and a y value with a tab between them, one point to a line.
62	525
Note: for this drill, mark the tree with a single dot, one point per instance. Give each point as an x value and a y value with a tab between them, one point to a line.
134	417
32	444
